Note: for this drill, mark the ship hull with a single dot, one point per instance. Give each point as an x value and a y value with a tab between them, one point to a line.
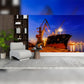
58	41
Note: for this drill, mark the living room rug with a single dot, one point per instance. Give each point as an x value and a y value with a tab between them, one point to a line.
46	62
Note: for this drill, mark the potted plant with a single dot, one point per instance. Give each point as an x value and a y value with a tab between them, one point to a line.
5	38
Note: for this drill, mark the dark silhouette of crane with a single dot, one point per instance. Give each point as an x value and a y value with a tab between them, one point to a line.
42	30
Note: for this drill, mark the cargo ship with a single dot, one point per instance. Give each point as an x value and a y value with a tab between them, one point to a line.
58	41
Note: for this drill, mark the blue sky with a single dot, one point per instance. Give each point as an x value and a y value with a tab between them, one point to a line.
58	7
74	25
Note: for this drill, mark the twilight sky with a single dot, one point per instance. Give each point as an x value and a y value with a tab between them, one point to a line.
57	7
74	25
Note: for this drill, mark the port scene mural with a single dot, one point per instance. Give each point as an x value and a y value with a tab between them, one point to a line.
57	33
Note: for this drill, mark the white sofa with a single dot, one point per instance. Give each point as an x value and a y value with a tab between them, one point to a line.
17	50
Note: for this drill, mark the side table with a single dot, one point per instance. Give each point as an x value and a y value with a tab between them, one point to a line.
37	53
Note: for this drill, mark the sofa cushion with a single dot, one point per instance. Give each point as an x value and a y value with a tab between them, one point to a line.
16	46
21	54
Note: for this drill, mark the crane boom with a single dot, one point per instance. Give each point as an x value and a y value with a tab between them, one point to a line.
42	30
62	24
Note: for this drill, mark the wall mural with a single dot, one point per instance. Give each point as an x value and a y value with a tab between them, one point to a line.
57	33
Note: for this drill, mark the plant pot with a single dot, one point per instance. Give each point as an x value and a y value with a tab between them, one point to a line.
3	55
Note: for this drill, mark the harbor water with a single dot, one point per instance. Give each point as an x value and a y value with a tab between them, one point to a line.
76	48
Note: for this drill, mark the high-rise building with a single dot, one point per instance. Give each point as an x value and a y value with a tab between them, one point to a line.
21	28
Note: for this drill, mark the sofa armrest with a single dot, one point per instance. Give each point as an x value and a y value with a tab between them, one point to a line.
24	47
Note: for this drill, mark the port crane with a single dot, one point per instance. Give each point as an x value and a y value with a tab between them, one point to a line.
42	30
60	28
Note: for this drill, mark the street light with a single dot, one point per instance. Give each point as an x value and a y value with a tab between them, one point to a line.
60	30
49	31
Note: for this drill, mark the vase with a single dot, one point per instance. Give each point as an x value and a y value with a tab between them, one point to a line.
3	55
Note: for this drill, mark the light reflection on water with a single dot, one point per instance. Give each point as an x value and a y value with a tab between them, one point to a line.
76	48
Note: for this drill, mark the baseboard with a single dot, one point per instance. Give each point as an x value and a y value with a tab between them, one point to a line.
62	54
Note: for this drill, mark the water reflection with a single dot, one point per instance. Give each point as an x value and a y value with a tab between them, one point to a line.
76	48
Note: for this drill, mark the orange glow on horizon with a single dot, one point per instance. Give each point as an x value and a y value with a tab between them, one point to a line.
32	41
76	43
